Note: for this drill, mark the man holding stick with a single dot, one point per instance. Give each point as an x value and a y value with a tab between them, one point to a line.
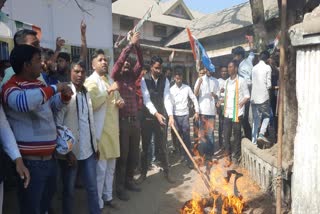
156	98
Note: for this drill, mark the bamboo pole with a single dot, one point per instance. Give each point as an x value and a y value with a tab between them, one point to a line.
203	177
282	86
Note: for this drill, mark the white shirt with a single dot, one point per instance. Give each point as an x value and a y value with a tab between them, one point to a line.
206	101
261	82
179	99
230	87
222	82
245	68
166	95
85	147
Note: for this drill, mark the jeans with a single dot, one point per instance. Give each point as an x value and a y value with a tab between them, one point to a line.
36	198
245	121
183	128
149	127
260	112
152	151
206	146
232	148
89	174
129	152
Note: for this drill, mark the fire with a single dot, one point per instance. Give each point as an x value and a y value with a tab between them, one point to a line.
193	206
225	199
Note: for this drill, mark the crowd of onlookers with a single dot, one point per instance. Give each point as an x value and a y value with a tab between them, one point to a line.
57	121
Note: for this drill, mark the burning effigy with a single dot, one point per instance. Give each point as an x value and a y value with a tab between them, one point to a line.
223	194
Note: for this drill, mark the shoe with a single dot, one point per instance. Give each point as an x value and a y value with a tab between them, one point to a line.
169	178
123	195
190	165
111	204
133	187
227	162
263	139
141	179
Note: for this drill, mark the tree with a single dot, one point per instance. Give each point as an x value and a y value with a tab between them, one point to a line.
259	29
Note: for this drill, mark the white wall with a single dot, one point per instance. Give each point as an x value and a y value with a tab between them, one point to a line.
63	17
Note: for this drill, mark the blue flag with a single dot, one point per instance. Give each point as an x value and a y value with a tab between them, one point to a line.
206	61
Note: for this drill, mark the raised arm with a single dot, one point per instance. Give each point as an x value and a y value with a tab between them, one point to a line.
138	66
116	70
197	86
84	48
59	43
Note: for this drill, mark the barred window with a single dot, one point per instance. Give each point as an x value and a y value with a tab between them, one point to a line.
75	56
159	31
126	24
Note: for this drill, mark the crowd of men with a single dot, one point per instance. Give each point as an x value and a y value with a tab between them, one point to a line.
109	112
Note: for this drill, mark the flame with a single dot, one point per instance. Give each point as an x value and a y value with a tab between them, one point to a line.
224	191
193	206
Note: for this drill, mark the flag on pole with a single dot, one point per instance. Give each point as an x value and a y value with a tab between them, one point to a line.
199	53
171	56
145	17
136	28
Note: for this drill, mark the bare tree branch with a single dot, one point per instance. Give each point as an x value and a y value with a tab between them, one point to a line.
82	9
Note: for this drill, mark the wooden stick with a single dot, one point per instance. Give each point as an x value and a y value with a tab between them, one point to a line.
203	177
282	85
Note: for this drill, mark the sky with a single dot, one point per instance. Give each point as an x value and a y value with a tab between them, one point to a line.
210	6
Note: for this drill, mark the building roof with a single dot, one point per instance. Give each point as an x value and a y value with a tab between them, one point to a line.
158	15
233	18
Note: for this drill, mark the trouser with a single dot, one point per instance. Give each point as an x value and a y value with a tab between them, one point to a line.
175	142
232	148
89	175
152	152
183	128
36	198
245	122
273	103
129	152
1	196
149	127
260	112
206	146
221	119
105	175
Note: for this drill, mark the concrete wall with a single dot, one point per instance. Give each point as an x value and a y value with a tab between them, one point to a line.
62	18
306	176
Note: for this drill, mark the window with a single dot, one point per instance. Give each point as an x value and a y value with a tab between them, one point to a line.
180	12
126	24
4	51
159	31
75	56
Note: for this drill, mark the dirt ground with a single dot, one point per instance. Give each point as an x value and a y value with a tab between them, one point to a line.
160	197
